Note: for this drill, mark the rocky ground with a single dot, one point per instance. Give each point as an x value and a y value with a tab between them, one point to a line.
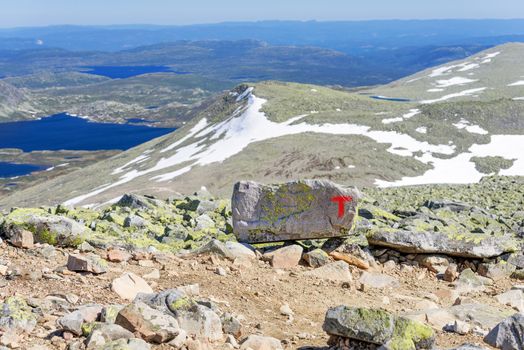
430	267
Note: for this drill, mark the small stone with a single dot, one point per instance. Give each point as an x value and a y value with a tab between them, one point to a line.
286	257
86	263
231	325
316	258
180	340
85	247
118	255
286	310
513	298
22	238
73	321
390	265
258	342
230	339
152	325
461	327
129	285
451	273
200	321
221	271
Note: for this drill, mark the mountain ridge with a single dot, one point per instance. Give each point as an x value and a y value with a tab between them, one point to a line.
276	131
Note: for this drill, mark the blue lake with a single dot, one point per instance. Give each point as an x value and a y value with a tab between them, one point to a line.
63	132
11	170
394	99
122	72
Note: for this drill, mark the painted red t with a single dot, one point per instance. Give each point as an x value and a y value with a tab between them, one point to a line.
341	204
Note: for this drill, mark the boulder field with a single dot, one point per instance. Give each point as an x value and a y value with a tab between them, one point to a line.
278	267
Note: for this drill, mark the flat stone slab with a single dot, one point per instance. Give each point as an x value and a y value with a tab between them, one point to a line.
468	246
305	209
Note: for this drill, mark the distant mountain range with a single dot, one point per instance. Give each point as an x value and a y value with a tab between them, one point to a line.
351	37
449	124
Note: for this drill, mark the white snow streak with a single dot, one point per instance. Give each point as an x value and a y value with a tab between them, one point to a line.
230	137
458	94
454	81
474	129
461	170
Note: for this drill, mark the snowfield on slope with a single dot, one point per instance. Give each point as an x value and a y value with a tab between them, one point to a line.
207	143
218	142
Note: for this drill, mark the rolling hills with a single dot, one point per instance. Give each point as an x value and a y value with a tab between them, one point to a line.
449	124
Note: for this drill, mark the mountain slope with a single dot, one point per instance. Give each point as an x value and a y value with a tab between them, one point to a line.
278	131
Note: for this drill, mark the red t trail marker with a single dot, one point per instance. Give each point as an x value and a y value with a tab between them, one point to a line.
341	204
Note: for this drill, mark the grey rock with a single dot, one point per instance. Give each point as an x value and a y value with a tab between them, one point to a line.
16	315
85	247
86	263
73	321
109	313
377	327
513	298
200	321
438	242
258	342
152	325
135	202
482	315
52	229
103	333
175	232
291	211
508	334
468	281
316	258
135	221
204	222
231	325
229	250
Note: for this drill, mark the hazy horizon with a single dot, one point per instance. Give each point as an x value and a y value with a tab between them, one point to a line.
34	13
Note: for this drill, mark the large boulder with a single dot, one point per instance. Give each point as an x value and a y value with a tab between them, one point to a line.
444	227
508	334
470	245
305	209
46	228
378	327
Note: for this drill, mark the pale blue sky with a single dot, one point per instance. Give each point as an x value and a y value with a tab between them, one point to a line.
177	12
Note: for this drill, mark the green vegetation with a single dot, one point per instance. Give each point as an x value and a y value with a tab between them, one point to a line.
491	165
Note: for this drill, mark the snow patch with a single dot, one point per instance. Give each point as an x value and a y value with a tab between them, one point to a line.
461	170
474	129
237	132
454	81
517	83
410	114
458	94
422	130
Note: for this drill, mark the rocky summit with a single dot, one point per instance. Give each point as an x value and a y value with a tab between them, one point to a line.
408	268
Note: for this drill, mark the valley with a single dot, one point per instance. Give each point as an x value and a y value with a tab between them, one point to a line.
308	131
264	185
